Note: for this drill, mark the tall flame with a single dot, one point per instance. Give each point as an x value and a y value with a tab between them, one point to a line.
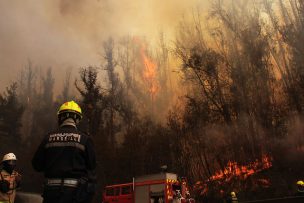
150	74
150	70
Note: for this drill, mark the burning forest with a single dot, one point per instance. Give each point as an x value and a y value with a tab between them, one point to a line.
229	178
217	96
235	170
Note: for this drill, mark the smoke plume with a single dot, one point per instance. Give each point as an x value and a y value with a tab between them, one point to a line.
64	33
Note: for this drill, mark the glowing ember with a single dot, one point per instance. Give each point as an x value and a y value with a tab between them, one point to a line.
263	182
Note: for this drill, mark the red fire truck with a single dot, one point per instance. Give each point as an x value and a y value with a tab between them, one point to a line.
154	188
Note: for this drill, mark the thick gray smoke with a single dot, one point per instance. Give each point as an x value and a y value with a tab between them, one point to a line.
65	33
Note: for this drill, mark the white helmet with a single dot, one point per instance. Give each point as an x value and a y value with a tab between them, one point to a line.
9	156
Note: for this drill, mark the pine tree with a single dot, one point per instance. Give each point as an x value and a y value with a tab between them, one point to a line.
10	113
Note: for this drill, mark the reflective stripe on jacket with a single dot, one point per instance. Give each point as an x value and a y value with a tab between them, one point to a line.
65	153
234	200
11	178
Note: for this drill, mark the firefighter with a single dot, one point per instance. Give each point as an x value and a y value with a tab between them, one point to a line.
177	196
300	188
233	197
9	179
66	157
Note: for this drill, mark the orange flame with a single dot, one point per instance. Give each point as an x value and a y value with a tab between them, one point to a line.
233	169
150	70
150	74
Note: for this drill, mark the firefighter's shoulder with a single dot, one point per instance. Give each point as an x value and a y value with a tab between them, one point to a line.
83	132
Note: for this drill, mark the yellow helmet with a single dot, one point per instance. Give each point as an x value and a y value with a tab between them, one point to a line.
300	182
233	194
70	107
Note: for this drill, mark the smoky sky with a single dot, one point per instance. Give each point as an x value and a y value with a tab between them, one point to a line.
69	33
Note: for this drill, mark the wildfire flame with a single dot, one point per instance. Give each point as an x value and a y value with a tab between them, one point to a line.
150	70
233	169
150	74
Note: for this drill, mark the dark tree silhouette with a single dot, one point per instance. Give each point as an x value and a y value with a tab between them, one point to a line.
11	112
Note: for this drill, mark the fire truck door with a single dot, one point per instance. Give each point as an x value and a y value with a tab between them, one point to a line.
142	194
126	194
112	194
157	194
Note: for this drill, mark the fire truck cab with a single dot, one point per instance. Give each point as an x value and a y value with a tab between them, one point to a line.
154	188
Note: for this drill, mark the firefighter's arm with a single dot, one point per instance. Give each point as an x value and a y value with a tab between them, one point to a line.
38	159
18	180
90	155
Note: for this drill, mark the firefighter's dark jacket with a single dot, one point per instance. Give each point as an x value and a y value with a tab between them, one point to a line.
65	153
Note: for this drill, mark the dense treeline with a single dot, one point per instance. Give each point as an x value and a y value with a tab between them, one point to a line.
242	83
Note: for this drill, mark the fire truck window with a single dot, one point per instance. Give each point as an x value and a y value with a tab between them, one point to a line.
110	191
125	190
117	191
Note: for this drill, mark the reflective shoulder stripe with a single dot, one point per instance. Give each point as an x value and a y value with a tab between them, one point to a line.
65	144
64	182
64	137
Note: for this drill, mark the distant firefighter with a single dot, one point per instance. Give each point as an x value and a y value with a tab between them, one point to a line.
300	188
232	198
9	178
